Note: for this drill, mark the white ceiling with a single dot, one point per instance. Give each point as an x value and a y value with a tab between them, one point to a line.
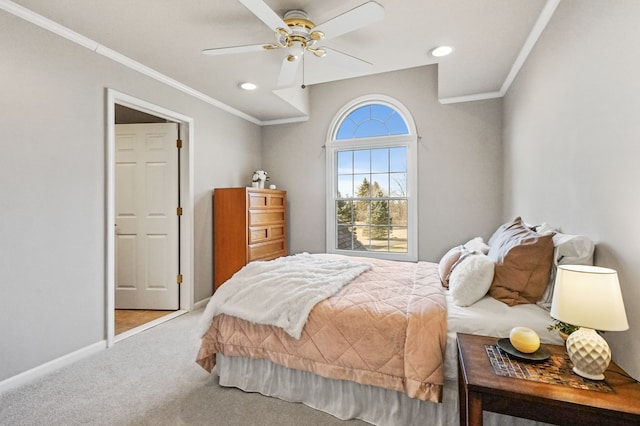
490	37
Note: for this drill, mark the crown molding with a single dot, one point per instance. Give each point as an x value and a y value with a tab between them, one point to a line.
541	23
47	24
62	31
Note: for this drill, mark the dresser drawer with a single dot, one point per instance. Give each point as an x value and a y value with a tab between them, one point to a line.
268	250
265	217
259	234
276	201
266	200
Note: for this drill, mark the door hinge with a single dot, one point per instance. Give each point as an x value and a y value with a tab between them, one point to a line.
179	211
179	278
179	143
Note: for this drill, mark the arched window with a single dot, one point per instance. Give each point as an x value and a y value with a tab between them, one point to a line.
371	180
371	120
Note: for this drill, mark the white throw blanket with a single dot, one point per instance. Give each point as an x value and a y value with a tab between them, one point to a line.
281	292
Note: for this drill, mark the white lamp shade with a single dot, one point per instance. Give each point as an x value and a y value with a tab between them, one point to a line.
589	296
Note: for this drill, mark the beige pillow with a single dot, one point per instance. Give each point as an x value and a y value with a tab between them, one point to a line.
523	260
447	262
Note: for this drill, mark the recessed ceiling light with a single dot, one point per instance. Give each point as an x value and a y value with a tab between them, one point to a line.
248	86
440	51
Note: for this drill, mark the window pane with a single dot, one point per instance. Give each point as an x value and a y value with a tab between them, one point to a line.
347	130
398	212
380	160
363	185
398	184
361	114
362	212
345	162
380	212
379	239
361	238
381	112
362	161
345	186
380	187
398	241
398	159
397	126
371	128
344	212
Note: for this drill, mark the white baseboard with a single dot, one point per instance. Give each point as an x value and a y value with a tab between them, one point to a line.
201	304
51	366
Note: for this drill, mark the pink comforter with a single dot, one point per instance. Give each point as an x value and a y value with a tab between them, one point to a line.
386	328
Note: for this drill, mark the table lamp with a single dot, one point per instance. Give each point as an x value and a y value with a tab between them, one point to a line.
588	297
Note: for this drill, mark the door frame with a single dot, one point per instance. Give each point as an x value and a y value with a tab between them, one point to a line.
186	242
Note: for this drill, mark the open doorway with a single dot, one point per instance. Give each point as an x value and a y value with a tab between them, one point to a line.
149	210
146	225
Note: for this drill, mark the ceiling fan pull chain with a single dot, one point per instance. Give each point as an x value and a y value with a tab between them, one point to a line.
303	86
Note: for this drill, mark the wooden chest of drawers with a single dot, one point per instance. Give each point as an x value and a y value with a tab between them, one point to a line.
248	224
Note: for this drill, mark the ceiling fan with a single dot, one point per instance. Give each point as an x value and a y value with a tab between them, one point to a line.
296	33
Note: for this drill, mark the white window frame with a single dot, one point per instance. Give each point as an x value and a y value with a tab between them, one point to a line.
410	141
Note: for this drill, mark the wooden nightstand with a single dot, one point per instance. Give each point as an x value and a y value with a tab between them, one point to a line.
481	389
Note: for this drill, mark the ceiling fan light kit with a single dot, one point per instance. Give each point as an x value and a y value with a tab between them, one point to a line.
298	34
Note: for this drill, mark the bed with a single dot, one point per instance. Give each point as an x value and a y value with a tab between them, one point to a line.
381	378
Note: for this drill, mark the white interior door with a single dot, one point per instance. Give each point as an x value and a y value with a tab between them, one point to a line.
146	201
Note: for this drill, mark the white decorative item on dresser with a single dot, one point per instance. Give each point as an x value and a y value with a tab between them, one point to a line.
248	224
259	178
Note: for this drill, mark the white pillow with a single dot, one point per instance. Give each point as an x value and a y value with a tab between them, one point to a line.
569	250
470	279
476	245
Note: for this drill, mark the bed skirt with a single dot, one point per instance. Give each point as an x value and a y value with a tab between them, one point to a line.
345	399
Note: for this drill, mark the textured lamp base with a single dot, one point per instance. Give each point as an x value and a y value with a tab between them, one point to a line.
589	353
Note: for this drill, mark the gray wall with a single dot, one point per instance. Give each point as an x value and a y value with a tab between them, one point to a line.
459	161
572	147
52	175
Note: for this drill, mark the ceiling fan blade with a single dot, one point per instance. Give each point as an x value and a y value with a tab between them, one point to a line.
265	14
288	72
356	18
335	57
234	49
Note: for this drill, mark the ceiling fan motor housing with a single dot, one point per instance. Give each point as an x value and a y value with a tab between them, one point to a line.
299	30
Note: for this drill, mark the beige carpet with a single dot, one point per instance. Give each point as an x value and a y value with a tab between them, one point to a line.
148	379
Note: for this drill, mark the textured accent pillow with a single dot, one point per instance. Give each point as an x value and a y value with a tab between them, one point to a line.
471	279
523	260
447	262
